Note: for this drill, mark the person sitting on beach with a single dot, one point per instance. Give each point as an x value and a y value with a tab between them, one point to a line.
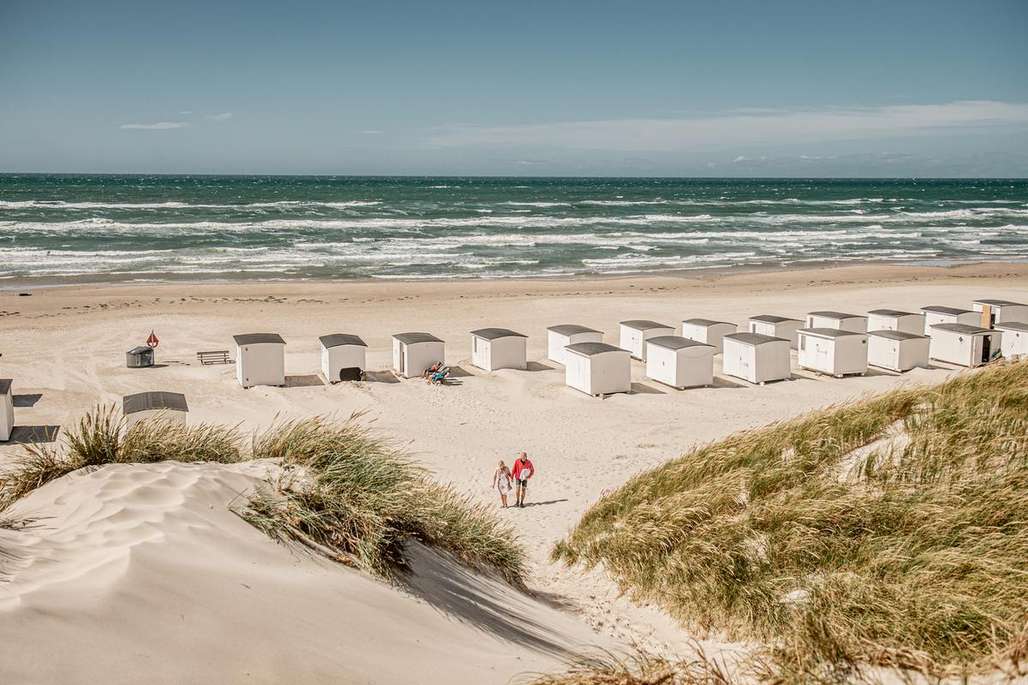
430	371
502	479
522	471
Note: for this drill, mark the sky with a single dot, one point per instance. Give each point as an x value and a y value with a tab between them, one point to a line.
549	88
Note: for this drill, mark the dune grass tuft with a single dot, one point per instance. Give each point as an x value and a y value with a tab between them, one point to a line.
102	438
342	491
915	558
639	668
359	499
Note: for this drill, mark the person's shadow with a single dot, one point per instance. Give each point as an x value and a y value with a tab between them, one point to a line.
543	504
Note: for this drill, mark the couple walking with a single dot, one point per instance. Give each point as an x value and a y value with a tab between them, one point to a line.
519	475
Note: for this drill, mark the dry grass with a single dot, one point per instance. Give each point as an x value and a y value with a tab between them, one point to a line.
343	491
639	668
358	499
101	438
920	561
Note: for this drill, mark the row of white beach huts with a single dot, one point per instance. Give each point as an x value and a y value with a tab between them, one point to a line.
827	342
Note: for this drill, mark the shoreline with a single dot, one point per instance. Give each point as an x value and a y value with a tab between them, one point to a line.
862	270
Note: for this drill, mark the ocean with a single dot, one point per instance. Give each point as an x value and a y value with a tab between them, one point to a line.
105	228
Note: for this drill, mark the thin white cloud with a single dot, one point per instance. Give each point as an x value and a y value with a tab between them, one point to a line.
740	127
156	126
372	132
186	112
223	116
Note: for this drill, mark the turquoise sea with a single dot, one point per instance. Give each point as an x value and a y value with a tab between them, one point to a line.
64	227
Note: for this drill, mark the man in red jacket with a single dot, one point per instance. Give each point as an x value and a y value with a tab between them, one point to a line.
522	471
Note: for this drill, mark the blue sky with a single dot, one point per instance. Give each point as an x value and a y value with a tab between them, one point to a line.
734	88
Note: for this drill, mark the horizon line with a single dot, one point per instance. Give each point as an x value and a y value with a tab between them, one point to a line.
512	176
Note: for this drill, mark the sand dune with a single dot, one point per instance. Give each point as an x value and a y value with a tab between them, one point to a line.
143	573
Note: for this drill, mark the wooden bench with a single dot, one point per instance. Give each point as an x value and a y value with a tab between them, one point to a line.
213	357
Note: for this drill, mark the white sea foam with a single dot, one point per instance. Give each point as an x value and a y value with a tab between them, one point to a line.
512	238
57	204
536	204
622	203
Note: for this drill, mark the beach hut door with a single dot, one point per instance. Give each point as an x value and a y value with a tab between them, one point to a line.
986	348
403	360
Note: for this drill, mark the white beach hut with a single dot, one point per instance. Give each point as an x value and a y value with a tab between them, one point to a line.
1000	311
775	326
897	350
935	314
6	409
833	351
498	348
707	331
840	320
260	359
756	358
635	333
1014	343
964	345
895	320
143	406
343	357
414	353
680	362
597	368
560	336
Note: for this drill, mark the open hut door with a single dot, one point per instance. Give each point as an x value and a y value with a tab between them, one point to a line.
986	316
351	373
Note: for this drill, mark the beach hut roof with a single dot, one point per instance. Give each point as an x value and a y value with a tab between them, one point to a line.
836	315
676	342
416	337
644	324
890	312
1013	325
339	339
828	332
150	401
1000	303
961	328
258	338
771	318
5	386
942	309
706	323
754	339
895	335
140	349
494	333
571	329
589	349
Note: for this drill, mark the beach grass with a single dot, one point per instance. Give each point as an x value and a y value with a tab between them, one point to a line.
341	490
638	668
889	532
101	437
359	499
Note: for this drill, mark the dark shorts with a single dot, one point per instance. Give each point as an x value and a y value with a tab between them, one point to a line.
523	483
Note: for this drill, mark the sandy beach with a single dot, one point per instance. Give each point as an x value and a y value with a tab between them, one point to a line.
65	349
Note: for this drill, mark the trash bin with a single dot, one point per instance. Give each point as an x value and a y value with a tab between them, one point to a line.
139	357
